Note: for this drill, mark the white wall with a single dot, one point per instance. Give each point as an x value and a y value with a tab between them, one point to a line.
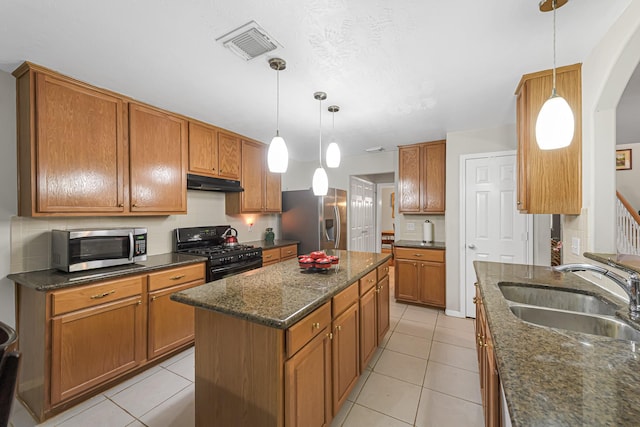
386	221
627	181
8	197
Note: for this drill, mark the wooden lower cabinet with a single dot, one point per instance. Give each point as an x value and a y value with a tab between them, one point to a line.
420	276
368	327
489	376
93	345
274	255
382	309
79	340
345	357
307	384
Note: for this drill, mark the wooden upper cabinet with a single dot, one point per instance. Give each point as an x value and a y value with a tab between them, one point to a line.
71	146
213	152
262	192
549	181
422	178
158	157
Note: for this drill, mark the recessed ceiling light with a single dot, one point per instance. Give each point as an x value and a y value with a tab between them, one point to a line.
249	41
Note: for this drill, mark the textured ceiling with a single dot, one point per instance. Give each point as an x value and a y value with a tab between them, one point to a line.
402	72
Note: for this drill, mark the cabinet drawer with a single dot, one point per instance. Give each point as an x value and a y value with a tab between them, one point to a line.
367	282
176	276
288	252
270	256
383	270
303	331
73	299
435	255
344	299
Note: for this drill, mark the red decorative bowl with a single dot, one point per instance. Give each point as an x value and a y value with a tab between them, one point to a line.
306	262
334	259
318	255
323	263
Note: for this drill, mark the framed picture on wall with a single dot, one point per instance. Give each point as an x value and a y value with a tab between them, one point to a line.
623	160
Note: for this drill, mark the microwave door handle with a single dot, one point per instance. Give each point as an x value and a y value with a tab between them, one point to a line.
131	246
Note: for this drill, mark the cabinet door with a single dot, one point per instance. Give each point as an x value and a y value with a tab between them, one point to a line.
80	161
368	327
158	152
382	312
307	384
523	148
493	411
203	150
228	156
96	344
433	177
432	283
406	274
345	355
273	192
409	182
170	323
253	176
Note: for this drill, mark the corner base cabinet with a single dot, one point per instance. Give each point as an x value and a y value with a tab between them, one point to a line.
77	341
420	276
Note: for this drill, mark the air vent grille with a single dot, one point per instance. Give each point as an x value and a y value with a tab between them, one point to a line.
249	41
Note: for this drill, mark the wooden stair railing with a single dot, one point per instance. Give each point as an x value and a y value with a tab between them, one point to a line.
627	227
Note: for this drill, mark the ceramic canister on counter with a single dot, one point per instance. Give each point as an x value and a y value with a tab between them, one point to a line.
269	236
427	231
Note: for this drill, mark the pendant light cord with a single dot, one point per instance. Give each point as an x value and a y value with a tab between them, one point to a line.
553	93
277	102
320	145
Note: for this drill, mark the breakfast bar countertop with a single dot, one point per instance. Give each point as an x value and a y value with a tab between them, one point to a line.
280	294
553	376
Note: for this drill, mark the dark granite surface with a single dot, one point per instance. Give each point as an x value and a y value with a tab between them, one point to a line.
418	244
631	262
280	294
271	245
554	377
48	280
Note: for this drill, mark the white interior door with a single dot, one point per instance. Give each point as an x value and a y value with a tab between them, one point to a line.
362	214
493	229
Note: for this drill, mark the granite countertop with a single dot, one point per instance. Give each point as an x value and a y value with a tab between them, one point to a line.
554	377
280	294
419	244
51	279
271	245
631	262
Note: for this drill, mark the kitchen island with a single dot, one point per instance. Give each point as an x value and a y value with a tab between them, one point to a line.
555	376
266	340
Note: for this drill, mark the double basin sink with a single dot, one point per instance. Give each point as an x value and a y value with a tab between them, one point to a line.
567	309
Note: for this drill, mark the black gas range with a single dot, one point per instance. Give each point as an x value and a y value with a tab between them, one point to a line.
223	260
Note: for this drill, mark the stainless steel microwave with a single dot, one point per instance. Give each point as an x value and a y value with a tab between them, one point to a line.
85	249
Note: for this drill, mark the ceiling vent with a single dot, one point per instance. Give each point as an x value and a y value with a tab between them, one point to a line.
249	41
374	149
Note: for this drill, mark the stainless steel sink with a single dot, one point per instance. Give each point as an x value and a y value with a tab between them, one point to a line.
557	298
577	322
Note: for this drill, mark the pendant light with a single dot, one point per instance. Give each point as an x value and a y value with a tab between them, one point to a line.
320	181
555	123
333	151
277	155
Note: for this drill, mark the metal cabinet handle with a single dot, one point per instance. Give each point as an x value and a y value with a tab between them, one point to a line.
475	300
153	298
102	295
315	325
177	277
418	255
339	328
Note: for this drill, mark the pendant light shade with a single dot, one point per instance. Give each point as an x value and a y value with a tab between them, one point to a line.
320	182
277	155
555	123
333	150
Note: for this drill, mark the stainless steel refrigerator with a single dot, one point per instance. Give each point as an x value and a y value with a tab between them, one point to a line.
317	222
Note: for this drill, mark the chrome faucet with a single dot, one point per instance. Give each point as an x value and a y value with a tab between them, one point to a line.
631	285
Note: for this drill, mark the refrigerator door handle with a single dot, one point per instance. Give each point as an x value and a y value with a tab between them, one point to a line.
338	231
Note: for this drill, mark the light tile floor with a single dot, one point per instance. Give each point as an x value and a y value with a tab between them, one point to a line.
424	374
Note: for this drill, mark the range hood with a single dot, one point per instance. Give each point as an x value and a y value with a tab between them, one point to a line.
207	183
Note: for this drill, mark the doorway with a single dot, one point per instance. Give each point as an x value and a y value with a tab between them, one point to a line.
362	198
491	228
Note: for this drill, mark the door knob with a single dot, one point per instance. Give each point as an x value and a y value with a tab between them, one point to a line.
471	246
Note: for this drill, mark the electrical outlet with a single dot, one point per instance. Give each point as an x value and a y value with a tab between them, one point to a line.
575	245
411	226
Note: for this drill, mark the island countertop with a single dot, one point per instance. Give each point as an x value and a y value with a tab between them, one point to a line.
280	294
554	376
